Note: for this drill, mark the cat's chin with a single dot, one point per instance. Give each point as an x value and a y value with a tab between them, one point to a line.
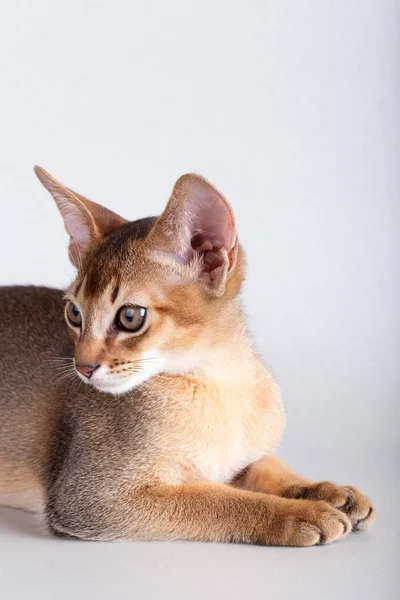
116	388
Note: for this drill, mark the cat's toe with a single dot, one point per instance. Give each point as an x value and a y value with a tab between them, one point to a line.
360	510
347	499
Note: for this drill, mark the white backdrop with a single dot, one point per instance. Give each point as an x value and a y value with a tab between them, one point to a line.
292	110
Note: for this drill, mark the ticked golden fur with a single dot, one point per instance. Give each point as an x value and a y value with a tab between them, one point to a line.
154	418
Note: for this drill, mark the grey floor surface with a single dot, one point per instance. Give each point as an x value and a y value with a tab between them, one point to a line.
364	565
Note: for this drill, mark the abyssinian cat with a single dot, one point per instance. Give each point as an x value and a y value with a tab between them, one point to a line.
154	418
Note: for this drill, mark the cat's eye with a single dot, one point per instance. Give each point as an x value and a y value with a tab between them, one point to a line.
131	318
73	314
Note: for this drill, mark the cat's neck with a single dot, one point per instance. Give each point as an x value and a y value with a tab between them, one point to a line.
228	350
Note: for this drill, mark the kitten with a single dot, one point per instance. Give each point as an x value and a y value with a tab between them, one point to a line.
154	418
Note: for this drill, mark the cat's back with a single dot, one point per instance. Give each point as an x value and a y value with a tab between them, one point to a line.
32	328
32	338
29	306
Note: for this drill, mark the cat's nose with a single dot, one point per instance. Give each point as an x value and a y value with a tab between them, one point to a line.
87	370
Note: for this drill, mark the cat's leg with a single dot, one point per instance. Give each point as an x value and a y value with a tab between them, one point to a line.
195	511
271	476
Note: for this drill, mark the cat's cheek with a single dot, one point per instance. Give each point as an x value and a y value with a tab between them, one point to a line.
73	334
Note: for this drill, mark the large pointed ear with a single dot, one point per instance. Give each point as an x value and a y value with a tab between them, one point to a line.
85	221
197	229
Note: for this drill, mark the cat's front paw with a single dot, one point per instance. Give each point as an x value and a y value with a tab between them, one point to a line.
347	499
306	523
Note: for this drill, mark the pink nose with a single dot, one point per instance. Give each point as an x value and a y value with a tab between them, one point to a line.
87	370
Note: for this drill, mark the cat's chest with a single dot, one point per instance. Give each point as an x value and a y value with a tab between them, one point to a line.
222	431
221	453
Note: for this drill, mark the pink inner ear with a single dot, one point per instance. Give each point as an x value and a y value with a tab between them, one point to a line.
76	224
213	257
212	219
213	230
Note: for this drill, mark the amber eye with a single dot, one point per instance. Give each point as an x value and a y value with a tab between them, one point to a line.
131	318
73	314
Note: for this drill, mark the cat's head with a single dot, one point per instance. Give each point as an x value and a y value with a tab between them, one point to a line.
154	295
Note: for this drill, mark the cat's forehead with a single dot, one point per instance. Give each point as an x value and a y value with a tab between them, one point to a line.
133	282
117	260
119	292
